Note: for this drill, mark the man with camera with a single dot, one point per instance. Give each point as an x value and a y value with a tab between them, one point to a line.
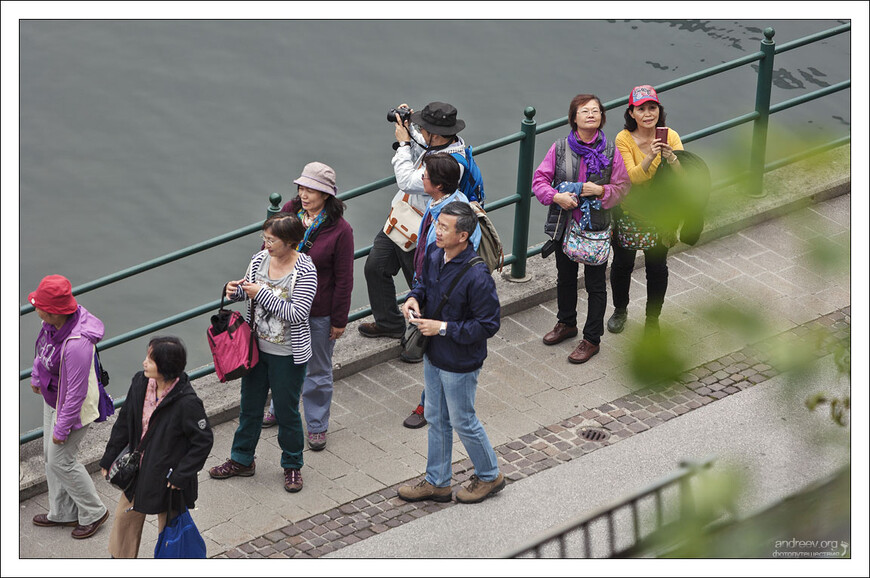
438	128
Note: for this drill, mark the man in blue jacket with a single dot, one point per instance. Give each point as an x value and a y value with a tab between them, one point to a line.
457	348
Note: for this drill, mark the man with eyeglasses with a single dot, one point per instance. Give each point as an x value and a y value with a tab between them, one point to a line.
435	129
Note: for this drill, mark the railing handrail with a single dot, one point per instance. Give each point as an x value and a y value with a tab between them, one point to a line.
686	469
526	138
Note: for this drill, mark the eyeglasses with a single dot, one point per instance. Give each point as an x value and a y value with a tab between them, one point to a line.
587	112
269	241
425	177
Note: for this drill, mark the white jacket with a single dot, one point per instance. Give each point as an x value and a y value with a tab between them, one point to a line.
408	166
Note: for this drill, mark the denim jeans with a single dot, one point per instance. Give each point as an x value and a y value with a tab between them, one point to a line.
450	404
656	267
317	387
284	378
383	263
595	279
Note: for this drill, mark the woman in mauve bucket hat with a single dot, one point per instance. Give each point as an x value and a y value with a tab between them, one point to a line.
329	241
62	366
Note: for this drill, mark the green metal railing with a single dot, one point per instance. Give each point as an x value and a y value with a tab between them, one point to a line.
563	536
521	199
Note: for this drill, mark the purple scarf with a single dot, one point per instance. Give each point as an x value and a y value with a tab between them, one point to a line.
593	155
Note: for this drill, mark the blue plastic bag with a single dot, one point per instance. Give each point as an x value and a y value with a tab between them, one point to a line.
180	538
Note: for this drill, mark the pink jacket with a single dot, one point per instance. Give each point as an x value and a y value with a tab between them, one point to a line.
619	185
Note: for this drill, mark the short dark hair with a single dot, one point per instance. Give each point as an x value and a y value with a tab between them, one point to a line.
631	124
443	171
583	99
169	355
466	219
334	206
285	226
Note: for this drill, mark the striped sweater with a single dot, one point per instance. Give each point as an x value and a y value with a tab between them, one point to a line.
295	309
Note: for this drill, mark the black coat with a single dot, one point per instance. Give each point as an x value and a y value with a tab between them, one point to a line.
180	438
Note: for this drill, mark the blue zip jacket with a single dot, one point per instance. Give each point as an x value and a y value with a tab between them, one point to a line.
473	312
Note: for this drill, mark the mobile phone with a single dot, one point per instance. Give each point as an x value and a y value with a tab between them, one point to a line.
662	134
412	314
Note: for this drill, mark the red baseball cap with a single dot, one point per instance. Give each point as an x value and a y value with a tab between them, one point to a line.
54	295
641	94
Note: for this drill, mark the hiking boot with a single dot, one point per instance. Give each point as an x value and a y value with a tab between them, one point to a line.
42	520
425	491
82	532
232	468
372	330
409	359
269	419
416	419
317	441
478	490
292	480
616	323
583	352
560	333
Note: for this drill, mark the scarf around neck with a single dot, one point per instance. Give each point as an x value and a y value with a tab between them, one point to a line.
318	221
592	154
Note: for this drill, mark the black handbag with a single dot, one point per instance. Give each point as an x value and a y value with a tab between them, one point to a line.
123	471
414	343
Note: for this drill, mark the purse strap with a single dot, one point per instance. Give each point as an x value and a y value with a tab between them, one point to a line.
471	263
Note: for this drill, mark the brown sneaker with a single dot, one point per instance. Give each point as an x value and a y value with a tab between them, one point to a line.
232	468
560	333
425	491
416	419
292	480
583	352
82	532
372	330
478	490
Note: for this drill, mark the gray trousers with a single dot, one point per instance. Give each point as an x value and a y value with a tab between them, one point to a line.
72	496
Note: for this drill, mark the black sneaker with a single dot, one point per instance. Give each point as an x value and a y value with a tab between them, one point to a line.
372	330
616	323
416	419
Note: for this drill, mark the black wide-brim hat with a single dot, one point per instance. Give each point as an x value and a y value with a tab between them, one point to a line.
438	118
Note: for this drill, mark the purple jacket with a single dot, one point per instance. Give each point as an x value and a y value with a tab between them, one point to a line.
619	185
66	393
332	254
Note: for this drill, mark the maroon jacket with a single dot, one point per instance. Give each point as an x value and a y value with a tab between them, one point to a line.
332	254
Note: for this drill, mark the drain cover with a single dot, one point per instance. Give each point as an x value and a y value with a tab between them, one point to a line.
595	434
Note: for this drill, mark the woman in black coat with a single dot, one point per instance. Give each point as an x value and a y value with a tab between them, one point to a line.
162	403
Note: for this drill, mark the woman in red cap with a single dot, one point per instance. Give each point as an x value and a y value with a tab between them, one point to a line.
642	152
63	364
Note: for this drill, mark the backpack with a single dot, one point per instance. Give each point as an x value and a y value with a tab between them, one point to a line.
471	183
490	248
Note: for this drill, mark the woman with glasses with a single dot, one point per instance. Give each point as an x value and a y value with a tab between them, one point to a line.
282	282
580	179
329	241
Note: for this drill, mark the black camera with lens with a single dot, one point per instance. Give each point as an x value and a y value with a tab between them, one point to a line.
403	112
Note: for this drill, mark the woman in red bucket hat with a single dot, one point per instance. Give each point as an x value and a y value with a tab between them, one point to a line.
63	363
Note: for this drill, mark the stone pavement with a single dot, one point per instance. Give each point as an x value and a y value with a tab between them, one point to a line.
532	402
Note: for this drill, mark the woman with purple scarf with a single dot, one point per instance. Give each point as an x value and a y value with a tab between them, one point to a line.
581	178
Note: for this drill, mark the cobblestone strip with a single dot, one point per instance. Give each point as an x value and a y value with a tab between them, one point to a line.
543	449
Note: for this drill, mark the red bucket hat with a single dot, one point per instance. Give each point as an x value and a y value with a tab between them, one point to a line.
54	295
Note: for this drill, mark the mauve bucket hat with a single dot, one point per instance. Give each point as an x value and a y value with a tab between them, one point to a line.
319	177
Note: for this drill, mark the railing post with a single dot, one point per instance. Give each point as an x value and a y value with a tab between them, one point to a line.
762	107
274	204
524	190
